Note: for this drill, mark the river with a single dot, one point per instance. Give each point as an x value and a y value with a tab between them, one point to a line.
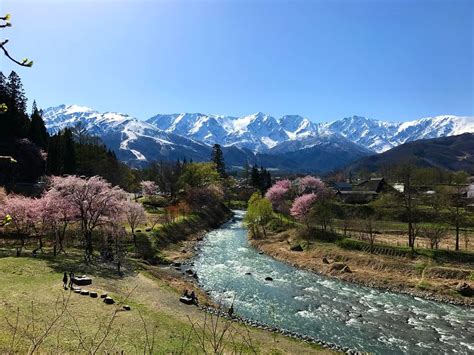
327	309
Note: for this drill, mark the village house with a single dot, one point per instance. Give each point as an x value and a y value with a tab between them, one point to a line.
363	192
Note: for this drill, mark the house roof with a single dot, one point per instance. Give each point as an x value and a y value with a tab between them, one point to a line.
374	184
357	192
342	185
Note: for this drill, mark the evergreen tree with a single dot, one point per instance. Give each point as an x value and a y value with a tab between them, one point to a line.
246	172
3	88
38	133
53	162
69	152
255	177
14	122
218	158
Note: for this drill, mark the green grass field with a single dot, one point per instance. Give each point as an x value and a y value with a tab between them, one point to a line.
54	320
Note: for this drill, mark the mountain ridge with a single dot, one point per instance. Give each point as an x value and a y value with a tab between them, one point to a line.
255	137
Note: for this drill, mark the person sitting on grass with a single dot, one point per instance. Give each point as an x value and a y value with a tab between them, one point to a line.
194	298
65	280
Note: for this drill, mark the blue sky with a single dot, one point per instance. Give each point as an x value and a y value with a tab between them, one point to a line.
384	59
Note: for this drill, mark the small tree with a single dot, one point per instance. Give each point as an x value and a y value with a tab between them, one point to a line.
259	213
435	235
302	206
217	157
135	214
59	214
309	184
149	188
96	203
455	203
23	216
277	195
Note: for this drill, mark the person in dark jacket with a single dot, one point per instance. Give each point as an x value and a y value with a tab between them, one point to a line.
65	281
71	280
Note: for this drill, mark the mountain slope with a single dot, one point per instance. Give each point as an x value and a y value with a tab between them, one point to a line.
257	132
381	136
449	153
291	142
135	142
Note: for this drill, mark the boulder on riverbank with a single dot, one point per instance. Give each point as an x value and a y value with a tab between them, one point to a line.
337	266
299	245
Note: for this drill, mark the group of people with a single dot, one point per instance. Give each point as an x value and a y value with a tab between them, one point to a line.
191	295
67	284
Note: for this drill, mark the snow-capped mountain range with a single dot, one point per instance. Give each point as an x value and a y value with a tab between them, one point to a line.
251	137
261	132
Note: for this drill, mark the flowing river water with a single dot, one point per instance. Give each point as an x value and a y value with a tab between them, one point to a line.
327	309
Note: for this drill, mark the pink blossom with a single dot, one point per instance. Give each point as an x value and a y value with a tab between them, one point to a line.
286	184
276	194
149	188
135	214
302	205
23	211
309	184
95	201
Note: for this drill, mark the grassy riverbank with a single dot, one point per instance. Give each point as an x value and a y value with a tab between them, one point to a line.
422	275
32	287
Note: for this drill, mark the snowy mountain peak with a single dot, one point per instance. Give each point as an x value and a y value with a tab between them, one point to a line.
258	132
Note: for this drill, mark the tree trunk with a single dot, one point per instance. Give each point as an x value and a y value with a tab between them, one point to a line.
88	247
457	235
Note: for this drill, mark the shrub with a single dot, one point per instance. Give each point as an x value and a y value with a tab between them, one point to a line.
154	202
276	226
145	248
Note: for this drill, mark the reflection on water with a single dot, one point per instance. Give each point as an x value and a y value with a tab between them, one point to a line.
327	309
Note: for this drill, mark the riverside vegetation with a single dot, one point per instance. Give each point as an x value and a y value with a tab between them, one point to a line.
416	240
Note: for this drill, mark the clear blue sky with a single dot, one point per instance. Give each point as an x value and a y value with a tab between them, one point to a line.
395	60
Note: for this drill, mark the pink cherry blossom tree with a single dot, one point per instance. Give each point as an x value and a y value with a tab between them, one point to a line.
58	214
96	203
23	213
135	214
277	195
149	188
302	206
286	184
309	184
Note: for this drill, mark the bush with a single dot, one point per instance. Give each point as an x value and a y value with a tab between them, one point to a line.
276	226
326	236
145	247
154	202
352	244
299	245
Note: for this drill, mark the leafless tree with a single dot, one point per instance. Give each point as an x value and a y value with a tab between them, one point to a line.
435	235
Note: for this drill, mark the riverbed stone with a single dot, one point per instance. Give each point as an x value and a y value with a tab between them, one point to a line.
296	247
337	266
268	278
346	269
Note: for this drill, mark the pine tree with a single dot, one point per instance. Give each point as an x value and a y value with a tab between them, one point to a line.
246	172
255	177
53	162
15	121
69	152
218	158
38	133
